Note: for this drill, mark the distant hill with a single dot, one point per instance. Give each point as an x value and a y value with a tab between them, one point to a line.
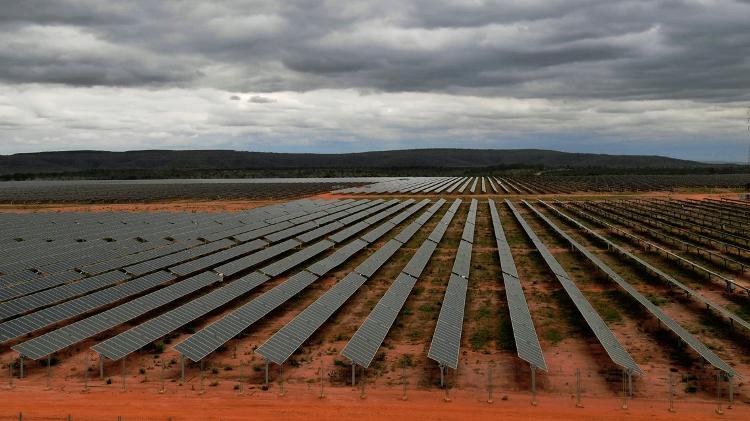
201	160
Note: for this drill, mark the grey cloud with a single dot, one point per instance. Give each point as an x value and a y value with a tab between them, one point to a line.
258	99
534	48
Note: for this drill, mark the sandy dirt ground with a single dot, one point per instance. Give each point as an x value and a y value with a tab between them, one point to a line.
143	401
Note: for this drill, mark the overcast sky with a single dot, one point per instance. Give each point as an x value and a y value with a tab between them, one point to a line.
653	77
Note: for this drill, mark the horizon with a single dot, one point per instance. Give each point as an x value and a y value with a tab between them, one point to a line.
627	78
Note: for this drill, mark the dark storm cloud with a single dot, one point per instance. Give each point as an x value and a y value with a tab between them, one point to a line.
579	49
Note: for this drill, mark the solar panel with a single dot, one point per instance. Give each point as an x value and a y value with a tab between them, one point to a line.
320	232
349	232
378	259
611	345
524	333
260	232
461	264
290	232
337	258
215	259
137	337
373	235
179	257
289	262
364	344
446	340
420	259
247	262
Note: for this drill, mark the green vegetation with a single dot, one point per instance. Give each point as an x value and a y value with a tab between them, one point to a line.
479	338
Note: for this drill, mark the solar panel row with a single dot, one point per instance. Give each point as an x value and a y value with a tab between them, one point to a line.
524	333
446	340
606	338
15	328
46	344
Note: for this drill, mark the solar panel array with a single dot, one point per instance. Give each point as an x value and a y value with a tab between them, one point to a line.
205	341
611	345
446	340
651	268
524	333
279	347
670	323
121	345
80	306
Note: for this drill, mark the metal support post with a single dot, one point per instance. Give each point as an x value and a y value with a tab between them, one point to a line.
731	392
624	392
282	392
533	385
671	393
442	376
20	366
201	381
86	374
362	394
49	372
10	374
403	381
354	374
489	385
322	394
266	384
630	384
122	373
182	369
718	394
101	367
242	378
161	377
578	388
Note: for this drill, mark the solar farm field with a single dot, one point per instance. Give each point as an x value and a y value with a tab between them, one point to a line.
445	297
